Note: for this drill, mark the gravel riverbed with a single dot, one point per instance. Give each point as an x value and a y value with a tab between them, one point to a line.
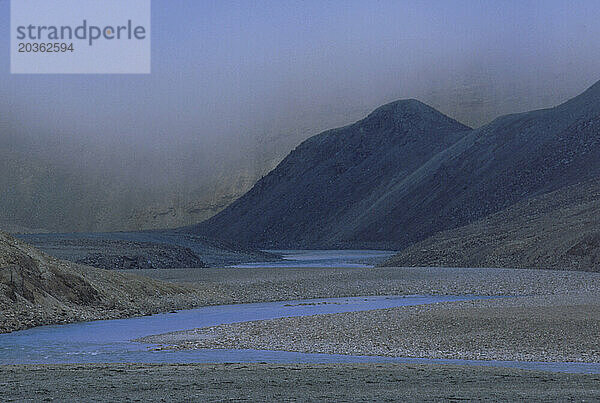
228	285
549	316
552	315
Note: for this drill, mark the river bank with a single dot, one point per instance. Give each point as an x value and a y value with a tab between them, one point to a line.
547	316
230	285
190	288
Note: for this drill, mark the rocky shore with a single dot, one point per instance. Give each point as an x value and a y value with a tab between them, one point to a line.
268	284
37	289
144	250
136	292
550	315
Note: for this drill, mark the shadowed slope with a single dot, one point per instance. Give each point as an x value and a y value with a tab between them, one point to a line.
310	198
37	289
559	230
407	172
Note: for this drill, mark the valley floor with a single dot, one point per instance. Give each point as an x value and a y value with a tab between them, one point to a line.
548	329
548	316
228	285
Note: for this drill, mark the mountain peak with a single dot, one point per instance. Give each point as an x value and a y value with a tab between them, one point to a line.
410	111
402	106
332	177
407	171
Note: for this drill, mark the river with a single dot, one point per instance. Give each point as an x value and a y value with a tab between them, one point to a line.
110	341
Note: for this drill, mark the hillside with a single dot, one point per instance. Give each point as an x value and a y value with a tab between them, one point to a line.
407	172
559	230
36	289
311	198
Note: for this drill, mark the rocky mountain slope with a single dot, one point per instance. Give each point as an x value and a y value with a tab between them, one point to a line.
407	172
314	196
559	230
37	289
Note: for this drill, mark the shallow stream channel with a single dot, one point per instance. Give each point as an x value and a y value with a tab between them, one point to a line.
111	341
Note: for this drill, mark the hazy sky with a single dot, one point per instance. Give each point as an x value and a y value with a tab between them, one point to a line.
227	73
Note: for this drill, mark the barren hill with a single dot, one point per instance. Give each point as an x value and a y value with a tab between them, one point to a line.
317	194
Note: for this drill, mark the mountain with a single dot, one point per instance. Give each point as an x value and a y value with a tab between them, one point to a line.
57	183
318	192
559	230
407	171
37	289
45	196
511	159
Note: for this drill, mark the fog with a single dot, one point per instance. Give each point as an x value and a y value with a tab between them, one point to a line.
235	85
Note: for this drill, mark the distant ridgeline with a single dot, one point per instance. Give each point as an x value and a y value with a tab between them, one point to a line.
407	172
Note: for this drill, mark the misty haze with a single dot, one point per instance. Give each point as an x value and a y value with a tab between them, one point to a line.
234	89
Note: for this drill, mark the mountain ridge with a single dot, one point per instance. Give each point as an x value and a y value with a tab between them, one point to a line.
407	171
346	163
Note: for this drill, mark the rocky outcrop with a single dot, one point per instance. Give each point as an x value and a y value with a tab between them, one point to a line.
144	250
37	289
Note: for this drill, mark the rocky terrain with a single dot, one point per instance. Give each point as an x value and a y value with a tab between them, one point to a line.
558	328
537	315
557	315
290	382
37	289
559	230
268	284
407	172
125	255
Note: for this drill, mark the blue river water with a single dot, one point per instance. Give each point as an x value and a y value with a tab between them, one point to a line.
324	258
110	341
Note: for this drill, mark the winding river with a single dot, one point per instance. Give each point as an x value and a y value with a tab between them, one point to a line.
110	341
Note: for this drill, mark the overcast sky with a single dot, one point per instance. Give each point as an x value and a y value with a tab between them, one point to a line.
227	73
